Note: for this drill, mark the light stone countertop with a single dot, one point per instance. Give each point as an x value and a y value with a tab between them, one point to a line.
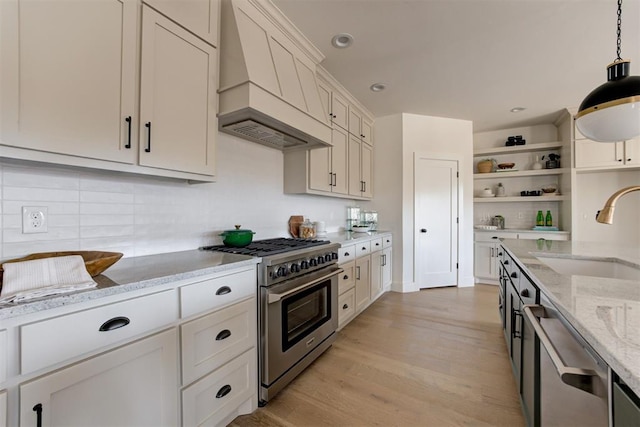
346	238
130	274
606	312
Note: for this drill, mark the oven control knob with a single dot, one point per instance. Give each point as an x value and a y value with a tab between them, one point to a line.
282	271
304	264
327	258
313	262
294	268
320	259
334	255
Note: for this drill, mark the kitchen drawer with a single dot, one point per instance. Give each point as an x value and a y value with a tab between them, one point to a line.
387	241
211	400
210	341
363	248
376	244
217	292
508	263
346	254
347	280
54	340
528	291
346	306
4	346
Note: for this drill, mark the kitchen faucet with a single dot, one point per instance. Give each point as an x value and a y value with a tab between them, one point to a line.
605	216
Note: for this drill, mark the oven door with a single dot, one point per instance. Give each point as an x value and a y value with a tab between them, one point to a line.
297	316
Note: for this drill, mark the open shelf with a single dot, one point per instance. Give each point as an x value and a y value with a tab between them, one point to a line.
543	146
530	172
553	198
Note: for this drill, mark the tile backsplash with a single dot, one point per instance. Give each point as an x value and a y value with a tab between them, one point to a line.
140	215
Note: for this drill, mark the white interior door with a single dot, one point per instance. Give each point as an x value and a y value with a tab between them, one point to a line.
436	222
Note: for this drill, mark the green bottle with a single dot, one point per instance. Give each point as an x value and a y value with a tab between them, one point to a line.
548	221
540	219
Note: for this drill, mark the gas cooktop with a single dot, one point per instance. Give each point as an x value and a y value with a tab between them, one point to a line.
262	248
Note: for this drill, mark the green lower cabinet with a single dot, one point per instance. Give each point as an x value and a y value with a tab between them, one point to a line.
626	407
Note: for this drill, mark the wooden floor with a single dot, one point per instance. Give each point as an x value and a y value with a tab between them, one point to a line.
431	358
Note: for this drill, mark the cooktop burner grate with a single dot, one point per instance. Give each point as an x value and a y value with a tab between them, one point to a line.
267	247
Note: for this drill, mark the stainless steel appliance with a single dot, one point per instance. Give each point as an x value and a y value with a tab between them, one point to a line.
573	378
298	306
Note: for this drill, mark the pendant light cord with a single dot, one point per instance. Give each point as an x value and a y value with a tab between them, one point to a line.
619	30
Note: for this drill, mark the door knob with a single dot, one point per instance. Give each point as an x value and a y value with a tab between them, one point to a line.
423	230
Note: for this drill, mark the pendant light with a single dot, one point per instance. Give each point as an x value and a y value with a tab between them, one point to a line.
611	112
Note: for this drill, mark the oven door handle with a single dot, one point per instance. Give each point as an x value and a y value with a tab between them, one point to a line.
277	297
575	377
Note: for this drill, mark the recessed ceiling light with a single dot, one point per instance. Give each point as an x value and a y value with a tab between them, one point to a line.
517	109
378	87
342	40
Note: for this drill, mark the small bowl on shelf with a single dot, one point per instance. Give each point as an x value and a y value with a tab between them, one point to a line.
548	191
506	165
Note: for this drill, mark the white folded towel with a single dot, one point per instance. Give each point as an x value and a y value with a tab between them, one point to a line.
37	278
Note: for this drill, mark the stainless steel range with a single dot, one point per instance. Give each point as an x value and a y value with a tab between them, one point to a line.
298	306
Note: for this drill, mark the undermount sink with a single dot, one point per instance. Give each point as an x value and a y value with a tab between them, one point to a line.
612	269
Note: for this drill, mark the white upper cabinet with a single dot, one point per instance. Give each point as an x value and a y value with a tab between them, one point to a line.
355	122
198	16
605	155
367	131
178	124
69	77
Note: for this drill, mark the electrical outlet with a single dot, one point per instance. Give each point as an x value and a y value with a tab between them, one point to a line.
34	219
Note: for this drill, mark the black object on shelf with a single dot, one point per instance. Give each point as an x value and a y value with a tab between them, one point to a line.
531	193
515	140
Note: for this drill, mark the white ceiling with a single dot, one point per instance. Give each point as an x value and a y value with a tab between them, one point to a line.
471	59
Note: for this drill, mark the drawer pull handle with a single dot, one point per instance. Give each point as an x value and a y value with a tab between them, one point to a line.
344	307
514	275
115	323
223	290
223	335
226	389
346	254
38	410
345	277
364	248
524	293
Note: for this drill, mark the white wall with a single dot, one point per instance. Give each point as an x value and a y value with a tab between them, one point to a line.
140	215
441	138
590	194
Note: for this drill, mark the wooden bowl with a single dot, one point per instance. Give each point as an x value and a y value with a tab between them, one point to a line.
95	261
549	190
506	165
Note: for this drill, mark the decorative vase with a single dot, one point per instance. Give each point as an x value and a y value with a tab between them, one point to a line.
537	164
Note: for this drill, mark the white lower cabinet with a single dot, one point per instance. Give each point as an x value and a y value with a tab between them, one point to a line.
214	400
134	385
346	307
133	361
210	341
367	274
486	260
363	282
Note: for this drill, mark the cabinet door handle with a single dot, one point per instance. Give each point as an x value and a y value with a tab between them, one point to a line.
224	390
491	256
148	126
330	179
384	260
223	335
514	320
128	120
38	410
628	160
344	307
358	273
619	160
423	230
223	290
115	323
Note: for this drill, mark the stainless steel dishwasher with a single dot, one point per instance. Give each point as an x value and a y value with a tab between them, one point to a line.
574	380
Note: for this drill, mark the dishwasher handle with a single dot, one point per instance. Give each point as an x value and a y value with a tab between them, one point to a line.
583	379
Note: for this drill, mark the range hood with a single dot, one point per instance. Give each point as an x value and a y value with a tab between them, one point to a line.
268	88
